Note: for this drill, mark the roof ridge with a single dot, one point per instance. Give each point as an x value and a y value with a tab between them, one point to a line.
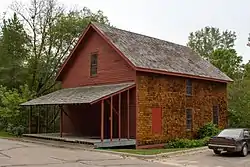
152	54
143	35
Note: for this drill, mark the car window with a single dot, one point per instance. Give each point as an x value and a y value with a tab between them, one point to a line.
230	133
246	133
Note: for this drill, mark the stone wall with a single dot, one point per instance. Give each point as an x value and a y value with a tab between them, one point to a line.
169	93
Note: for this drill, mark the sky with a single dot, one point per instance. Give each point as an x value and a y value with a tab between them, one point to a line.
172	20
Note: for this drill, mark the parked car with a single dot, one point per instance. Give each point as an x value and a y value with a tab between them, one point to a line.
231	140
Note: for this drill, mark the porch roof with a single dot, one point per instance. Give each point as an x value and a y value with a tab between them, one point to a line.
80	95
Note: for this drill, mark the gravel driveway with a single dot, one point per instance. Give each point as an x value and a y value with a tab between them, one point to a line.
22	154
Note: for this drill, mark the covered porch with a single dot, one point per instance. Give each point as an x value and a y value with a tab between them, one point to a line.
103	115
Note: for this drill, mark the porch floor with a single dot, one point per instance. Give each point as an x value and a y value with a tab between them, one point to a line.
96	142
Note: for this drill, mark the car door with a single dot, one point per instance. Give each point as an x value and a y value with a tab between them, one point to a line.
246	136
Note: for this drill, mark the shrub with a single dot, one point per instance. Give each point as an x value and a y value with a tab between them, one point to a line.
204	134
13	118
15	130
187	143
208	130
205	140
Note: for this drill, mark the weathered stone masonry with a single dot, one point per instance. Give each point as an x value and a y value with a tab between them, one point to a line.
169	93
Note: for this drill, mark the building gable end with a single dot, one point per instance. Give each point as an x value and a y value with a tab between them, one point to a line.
80	40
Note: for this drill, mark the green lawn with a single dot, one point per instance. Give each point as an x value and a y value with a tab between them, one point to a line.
5	134
147	151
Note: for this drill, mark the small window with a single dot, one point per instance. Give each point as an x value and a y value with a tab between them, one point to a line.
246	134
189	87
93	65
189	119
156	120
215	115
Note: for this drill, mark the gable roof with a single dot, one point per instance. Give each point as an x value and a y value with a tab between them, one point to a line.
149	54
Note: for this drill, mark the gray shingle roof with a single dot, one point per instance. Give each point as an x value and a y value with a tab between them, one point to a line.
87	94
151	53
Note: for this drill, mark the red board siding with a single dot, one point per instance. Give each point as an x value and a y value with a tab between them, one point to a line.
80	118
111	67
85	120
156	120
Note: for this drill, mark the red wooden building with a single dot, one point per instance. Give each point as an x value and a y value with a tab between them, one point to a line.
124	88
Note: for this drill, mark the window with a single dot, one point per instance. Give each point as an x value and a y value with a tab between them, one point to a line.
189	119
246	134
93	65
235	133
156	120
215	115
189	87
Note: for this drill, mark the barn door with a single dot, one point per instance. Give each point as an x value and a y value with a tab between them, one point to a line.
156	121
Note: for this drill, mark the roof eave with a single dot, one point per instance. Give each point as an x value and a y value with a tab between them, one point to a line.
141	69
49	98
113	94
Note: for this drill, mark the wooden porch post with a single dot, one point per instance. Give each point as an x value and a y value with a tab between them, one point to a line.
128	110
111	118
54	122
102	121
119	115
30	114
61	120
38	121
46	114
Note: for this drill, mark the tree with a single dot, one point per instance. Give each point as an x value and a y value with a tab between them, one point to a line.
54	31
35	58
239	103
208	39
227	61
12	117
14	43
217	47
246	71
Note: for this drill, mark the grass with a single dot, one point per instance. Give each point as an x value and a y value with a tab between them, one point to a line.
5	134
148	151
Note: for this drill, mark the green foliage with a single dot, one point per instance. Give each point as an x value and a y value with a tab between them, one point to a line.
187	143
14	43
33	60
16	130
239	104
204	134
14	118
217	47
227	61
208	130
54	31
208	39
246	71
4	134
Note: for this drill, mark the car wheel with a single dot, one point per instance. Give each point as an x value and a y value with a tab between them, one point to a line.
217	152
244	150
